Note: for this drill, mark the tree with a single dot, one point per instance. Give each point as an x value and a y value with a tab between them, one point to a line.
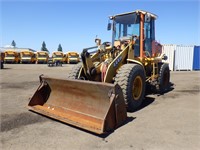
13	43
60	48
44	47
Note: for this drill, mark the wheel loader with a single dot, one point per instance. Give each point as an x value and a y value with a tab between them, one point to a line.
110	80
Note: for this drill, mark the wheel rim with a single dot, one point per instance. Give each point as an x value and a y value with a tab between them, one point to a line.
137	88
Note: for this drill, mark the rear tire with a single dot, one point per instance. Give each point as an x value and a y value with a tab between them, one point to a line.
75	72
164	78
131	79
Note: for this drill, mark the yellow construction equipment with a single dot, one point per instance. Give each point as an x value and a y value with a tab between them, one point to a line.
111	79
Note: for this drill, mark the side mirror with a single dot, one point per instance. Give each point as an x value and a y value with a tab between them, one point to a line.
165	57
109	26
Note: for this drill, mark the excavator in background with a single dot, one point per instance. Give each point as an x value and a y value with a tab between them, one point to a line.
110	80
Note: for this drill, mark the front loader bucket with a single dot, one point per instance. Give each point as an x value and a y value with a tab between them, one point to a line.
97	107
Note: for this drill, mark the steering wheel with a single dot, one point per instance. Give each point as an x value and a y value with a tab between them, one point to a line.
147	53
129	37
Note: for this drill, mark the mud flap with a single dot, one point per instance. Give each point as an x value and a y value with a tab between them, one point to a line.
93	106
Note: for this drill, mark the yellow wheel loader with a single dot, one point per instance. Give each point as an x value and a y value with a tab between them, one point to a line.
110	80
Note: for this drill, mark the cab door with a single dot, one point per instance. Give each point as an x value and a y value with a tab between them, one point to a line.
149	36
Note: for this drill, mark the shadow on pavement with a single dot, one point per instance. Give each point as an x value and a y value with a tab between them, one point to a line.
146	102
152	90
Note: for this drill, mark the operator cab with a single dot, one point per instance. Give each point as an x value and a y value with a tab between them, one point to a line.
139	26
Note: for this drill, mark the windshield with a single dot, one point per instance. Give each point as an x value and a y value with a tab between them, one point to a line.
10	55
42	55
57	56
26	55
73	56
126	25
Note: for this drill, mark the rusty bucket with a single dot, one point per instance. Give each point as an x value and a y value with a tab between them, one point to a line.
93	106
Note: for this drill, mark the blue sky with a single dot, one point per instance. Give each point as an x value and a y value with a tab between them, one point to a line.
75	24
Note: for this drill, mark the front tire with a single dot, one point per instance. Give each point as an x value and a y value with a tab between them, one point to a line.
75	72
164	78
131	78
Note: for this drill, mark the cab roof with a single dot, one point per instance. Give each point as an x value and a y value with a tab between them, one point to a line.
137	12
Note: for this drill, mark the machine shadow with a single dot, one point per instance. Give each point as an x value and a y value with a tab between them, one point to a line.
169	89
146	102
104	135
150	90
